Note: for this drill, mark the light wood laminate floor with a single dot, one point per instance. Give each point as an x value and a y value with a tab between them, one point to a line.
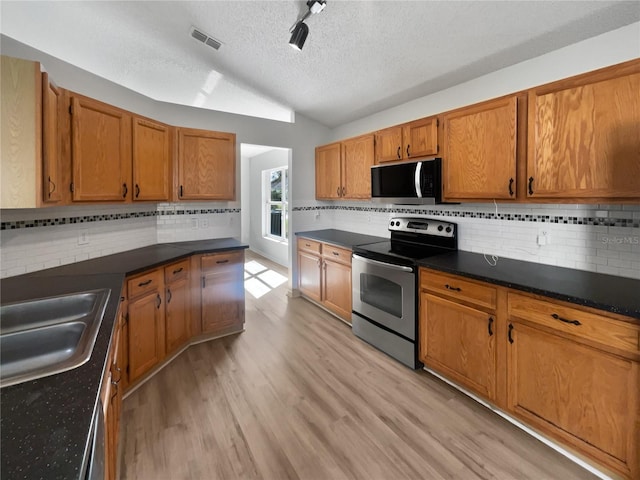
298	396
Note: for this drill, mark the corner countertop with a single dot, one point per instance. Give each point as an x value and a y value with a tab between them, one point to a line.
605	292
45	423
341	238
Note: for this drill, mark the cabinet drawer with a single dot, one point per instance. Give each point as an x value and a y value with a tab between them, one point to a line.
145	283
309	245
337	254
176	271
221	260
576	322
458	288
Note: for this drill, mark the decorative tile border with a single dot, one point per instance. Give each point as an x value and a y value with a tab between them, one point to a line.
48	222
514	217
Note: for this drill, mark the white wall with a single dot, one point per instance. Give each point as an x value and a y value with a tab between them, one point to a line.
276	251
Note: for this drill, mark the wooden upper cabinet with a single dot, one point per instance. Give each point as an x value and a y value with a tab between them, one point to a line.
52	158
151	160
21	147
388	145
420	138
415	139
357	159
328	172
100	151
206	165
479	151
584	136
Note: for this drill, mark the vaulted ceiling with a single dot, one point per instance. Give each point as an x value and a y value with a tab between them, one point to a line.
360	56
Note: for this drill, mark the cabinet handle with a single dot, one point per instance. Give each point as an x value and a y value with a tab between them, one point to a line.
530	185
510	335
511	187
125	190
180	193
336	253
344	191
115	390
307	244
489	326
178	270
222	261
398	153
142	284
159	300
119	376
51	190
558	317
137	190
338	191
169	296
408	153
449	287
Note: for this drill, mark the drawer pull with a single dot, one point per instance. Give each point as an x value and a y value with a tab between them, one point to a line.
489	326
336	253
307	244
558	317
142	284
222	261
178	270
510	336
449	287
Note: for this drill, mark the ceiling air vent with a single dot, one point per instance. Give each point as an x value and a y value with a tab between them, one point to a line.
204	38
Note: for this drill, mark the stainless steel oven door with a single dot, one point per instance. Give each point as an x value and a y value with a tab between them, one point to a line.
385	293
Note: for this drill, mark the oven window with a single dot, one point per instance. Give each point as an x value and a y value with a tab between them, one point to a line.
381	293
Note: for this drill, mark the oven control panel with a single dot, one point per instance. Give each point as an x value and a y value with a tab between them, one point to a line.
425	226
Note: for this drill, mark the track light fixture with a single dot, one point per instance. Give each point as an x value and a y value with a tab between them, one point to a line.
300	30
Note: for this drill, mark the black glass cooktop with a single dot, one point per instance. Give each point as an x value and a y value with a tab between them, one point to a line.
398	253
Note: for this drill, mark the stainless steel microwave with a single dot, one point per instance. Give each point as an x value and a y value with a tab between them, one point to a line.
414	183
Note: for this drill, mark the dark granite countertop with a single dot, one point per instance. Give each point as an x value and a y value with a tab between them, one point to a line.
341	238
45	423
604	292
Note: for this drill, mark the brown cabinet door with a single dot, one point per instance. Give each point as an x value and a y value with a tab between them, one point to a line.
336	288
459	342
576	393
479	154
357	159
101	152
146	333
328	172
206	165
151	160
177	316
420	138
388	145
584	137
52	161
222	291
309	275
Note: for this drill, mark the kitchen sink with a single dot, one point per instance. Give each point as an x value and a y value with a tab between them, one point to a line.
49	335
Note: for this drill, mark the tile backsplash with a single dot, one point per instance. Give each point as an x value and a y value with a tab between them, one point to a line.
599	238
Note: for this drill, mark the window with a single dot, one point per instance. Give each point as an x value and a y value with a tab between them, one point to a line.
275	188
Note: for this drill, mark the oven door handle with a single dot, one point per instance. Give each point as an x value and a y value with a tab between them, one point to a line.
383	264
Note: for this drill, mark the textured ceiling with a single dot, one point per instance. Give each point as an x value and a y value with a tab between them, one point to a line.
360	57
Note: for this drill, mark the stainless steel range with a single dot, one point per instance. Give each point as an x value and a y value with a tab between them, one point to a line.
384	280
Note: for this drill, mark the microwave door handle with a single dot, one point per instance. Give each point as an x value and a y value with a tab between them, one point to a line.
383	264
417	180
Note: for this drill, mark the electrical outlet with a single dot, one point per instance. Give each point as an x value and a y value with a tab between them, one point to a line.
204	223
83	237
194	224
317	214
543	238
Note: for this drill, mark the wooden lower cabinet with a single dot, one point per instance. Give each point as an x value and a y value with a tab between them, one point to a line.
579	394
177	306
111	398
146	330
222	298
460	342
570	372
324	275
